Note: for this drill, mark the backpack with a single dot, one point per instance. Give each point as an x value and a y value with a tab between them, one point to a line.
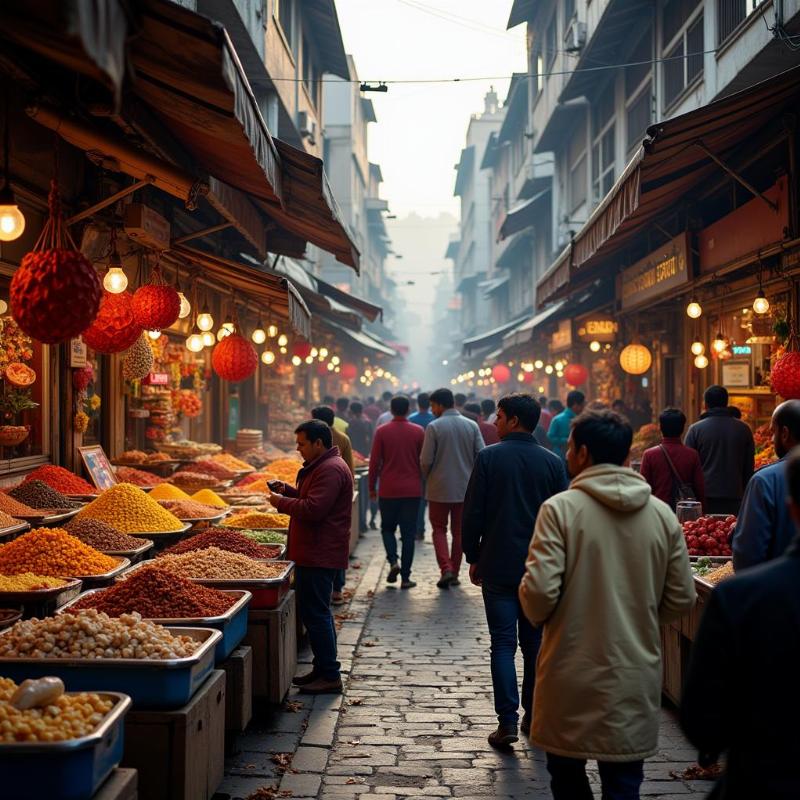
680	489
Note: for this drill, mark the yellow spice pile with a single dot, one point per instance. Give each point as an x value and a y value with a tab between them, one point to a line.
255	520
166	491
209	497
28	582
129	509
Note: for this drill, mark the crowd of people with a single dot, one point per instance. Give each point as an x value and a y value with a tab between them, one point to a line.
580	559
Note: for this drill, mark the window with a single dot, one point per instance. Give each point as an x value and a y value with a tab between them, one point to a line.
578	182
307	74
539	67
634	75
569	12
550	43
603	143
284	11
731	13
638	116
683	58
674	16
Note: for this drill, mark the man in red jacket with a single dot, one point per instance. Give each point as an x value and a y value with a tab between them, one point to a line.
319	539
395	460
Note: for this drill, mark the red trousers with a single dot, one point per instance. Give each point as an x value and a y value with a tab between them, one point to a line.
449	559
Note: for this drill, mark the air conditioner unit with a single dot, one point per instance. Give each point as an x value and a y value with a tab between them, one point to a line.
308	126
575	36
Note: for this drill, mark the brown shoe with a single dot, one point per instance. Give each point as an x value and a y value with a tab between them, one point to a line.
337	599
304	680
504	736
322	686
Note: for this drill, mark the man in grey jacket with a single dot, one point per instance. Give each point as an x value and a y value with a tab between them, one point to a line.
448	454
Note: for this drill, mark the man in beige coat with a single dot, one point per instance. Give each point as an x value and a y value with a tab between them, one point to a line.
607	565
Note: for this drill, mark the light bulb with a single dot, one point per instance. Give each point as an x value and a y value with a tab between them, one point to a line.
698	348
154	335
272	330
559	366
115	280
760	304
331	368
538	363
283	340
336	361
719	343
337	369
362	379
314	352
701	361
12	220
309	360
3	306
520	378
186	306
208	338
694	309
323	352
549	369
297	361
226	330
259	335
594	346
205	321
268	357
194	343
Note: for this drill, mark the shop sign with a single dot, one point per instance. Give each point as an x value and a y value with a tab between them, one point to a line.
742	350
562	338
736	373
157	379
598	328
657	274
77	353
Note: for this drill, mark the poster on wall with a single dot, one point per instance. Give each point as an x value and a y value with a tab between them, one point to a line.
736	373
98	466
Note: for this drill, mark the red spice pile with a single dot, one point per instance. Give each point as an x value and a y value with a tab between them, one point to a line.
157	594
208	467
225	539
60	479
138	477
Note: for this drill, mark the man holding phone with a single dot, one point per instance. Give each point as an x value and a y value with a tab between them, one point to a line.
319	508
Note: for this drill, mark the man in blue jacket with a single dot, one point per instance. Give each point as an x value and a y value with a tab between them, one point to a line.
765	528
509	482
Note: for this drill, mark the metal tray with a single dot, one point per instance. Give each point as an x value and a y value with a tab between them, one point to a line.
58	594
232	624
132	555
12	530
46	518
70	770
104	578
156	534
83	498
215	518
150	683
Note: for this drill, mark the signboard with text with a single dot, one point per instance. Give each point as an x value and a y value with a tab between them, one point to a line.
657	274
597	328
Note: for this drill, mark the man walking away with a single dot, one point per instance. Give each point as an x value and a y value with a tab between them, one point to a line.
448	455
747	647
489	410
360	429
386	416
509	483
672	469
488	432
395	460
372	410
607	566
340	421
423	418
547	417
727	452
459	400
765	527
558	434
319	538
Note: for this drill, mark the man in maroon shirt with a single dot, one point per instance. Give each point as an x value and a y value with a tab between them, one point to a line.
319	540
671	463
395	460
489	432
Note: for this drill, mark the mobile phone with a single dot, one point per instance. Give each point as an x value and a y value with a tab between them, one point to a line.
275	485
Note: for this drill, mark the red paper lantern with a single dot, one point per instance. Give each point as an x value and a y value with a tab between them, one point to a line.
234	358
528	377
322	370
114	328
576	374
301	350
501	373
785	376
349	371
156	306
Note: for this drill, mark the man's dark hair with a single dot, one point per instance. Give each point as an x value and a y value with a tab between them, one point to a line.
606	434
444	397
423	401
316	430
473	408
522	406
575	398
716	397
793	475
324	413
459	399
672	421
399	405
543	401
787	415
386	397
487	407
328	400
356	408
556	406
342	404
370	400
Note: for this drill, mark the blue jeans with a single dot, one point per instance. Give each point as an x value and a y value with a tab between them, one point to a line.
339	580
507	625
400	511
620	780
421	513
313	586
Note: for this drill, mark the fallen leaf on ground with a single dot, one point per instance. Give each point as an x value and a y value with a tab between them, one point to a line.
698	773
292	705
282	761
356	702
264	793
355	780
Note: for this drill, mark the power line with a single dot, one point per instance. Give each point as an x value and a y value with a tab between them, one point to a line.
466	22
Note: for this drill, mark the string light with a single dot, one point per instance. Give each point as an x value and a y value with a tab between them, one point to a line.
701	362
283	340
272	330
268	357
694	310
719	344
205	321
761	304
698	348
538	363
549	369
259	335
208	338
297	361
186	306
594	346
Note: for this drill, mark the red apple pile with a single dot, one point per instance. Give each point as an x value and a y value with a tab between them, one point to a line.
709	536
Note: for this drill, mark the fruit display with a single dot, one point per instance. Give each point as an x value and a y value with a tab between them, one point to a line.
765	449
765	456
129	509
52	552
20	375
709	535
719	574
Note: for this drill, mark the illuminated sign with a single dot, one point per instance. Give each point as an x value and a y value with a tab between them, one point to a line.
656	274
598	328
742	350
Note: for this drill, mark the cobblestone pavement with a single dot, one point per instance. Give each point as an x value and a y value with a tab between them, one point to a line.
417	710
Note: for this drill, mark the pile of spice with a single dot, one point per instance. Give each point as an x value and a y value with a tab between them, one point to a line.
102	536
231	462
228	540
265	537
61	717
91	634
138	477
156	594
28	582
6	520
257	519
52	551
193	481
207	466
39	495
286	469
166	491
210	498
60	479
215	564
8	505
128	508
189	509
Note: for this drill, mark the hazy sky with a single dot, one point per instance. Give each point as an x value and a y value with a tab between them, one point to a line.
421	128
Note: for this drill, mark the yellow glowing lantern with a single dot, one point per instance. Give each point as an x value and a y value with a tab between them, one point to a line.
635	359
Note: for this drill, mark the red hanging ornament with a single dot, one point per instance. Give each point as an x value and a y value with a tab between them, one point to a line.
528	377
785	375
322	370
81	378
576	374
156	305
114	328
349	371
501	373
55	293
234	359
301	350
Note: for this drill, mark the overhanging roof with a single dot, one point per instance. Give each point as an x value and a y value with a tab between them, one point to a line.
489	159
521	11
493	284
327	35
522	215
491	337
522	333
369	109
516	107
518	246
452	249
364	339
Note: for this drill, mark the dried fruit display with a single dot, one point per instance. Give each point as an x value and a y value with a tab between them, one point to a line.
138	361
102	536
709	536
114	328
52	551
15	345
215	564
228	540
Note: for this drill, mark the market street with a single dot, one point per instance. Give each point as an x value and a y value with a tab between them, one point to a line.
417	709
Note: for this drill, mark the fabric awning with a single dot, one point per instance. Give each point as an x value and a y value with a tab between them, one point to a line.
491	286
367	310
516	249
668	166
522	333
491	337
522	215
363	339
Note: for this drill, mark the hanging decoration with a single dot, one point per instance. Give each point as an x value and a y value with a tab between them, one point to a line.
528	377
349	371
576	374
138	361
501	373
234	359
785	373
156	305
635	359
301	349
82	377
115	328
55	294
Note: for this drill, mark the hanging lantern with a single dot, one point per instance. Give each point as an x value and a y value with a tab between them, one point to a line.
785	375
635	359
268	357
234	359
204	319
348	371
576	374
114	328
720	343
528	377
301	349
701	361
138	360
55	293
156	305
694	310
322	369
501	373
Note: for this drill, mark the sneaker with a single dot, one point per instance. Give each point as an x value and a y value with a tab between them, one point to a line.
504	736
525	725
394	571
444	581
408	584
303	680
337	599
323	686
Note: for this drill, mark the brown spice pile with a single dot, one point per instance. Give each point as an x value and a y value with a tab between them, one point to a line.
189	509
225	539
102	536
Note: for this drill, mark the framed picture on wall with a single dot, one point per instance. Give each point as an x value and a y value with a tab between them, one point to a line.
98	466
736	374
